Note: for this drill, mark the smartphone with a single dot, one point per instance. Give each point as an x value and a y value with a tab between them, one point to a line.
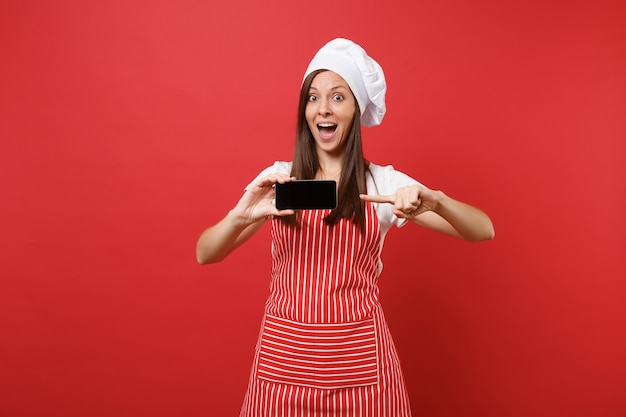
306	195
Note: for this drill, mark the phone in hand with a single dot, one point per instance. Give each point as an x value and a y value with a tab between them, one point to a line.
306	195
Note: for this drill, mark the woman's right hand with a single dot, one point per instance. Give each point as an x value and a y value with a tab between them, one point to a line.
243	221
258	202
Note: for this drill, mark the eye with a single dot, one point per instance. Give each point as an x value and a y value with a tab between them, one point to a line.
338	97
312	97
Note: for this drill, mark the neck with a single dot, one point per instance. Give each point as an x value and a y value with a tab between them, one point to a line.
329	169
328	175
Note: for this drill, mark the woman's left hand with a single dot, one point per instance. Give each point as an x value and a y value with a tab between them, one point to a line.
408	202
443	214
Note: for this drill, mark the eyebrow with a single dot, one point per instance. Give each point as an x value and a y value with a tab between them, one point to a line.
332	88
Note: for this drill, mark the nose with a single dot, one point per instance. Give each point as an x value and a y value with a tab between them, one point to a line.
324	108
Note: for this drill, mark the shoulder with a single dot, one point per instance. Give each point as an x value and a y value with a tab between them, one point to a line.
278	167
384	171
386	179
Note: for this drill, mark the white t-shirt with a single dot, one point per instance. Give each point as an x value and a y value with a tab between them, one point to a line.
381	180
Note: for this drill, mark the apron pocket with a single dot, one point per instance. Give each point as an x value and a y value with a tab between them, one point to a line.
325	356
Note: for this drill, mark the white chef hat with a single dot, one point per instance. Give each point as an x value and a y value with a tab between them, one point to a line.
363	75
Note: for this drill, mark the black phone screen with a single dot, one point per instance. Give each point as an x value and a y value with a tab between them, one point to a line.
306	195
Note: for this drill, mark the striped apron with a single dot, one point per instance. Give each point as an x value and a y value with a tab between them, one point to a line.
324	347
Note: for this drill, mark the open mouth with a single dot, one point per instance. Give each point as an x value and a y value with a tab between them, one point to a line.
326	129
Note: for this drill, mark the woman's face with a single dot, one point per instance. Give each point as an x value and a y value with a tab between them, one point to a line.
329	112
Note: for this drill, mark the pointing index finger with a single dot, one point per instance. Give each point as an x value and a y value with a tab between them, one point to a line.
391	199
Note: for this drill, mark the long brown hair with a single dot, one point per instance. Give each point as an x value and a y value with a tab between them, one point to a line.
306	164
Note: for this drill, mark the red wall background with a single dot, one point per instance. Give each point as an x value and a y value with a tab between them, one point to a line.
127	127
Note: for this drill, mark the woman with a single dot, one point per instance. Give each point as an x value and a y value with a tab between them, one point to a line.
324	346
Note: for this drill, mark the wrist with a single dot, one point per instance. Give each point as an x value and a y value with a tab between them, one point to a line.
440	201
238	219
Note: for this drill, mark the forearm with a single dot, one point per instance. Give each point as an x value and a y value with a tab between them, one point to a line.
216	242
471	223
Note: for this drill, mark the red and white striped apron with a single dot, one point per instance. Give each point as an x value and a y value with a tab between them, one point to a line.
324	348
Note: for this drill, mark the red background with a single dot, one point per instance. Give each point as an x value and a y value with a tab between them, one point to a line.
127	127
